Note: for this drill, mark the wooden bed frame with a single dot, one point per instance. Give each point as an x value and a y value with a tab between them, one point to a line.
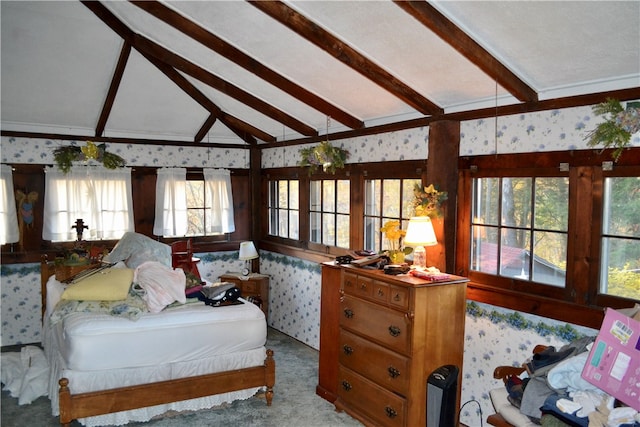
73	406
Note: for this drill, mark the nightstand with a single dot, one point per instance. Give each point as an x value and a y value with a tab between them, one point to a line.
253	285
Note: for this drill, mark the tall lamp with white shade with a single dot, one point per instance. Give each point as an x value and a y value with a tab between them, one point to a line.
420	234
247	253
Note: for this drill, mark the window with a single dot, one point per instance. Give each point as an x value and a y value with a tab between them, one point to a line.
620	239
283	207
8	216
519	228
556	243
329	207
385	200
101	197
193	207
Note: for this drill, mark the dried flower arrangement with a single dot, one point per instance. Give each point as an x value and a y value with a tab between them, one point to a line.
64	156
428	201
326	155
620	123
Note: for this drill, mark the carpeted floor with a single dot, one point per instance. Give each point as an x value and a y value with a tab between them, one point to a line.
294	404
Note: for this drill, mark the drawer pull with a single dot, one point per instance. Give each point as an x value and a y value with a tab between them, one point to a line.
396	297
348	284
380	292
348	313
393	372
391	413
346	386
347	350
363	286
394	331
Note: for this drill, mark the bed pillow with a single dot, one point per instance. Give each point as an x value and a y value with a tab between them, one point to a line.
161	285
111	284
135	249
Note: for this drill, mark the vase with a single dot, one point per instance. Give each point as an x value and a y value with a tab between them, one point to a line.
396	257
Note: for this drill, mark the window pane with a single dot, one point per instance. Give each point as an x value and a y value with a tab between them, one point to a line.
344	197
328	229
551	208
484	249
620	267
620	264
315	227
514	254
407	197
293	195
516	202
550	258
343	231
372	197
485	200
372	233
283	194
622	206
294	232
315	196
391	198
329	196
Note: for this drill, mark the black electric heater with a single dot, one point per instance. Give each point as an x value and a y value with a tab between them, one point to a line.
442	390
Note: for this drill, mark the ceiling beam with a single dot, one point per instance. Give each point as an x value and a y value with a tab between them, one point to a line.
113	88
346	54
247	62
243	130
206	127
148	48
431	18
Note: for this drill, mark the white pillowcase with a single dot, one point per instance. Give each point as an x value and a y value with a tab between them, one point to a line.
162	285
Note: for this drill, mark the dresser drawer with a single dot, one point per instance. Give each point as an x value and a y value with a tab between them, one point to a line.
384	367
389	327
249	287
382	406
358	285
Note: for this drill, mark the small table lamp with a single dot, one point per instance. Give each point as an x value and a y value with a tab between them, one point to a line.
420	233
247	252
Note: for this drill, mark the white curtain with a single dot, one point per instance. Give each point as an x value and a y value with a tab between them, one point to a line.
99	196
218	190
8	217
171	203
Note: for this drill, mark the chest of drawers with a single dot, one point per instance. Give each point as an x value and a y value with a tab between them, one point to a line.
381	337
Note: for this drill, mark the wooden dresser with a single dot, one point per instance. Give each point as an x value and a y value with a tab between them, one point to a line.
254	285
381	336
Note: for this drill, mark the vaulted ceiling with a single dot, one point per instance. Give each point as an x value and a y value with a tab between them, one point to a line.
238	72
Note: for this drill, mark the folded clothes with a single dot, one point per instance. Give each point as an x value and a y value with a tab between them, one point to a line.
543	361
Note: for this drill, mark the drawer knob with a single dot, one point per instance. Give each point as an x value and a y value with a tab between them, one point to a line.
391	413
394	331
348	313
393	372
348	350
396	297
380	292
345	385
363	286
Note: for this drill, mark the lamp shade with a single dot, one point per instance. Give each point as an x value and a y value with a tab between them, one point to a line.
248	251
420	232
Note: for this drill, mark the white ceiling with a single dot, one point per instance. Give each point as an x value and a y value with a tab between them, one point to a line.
59	58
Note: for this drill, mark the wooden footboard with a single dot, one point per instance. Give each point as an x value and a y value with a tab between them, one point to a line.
73	406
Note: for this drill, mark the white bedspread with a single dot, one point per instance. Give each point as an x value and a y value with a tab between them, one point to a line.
98	351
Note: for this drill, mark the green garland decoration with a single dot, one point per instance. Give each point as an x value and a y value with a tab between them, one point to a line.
620	123
326	155
65	156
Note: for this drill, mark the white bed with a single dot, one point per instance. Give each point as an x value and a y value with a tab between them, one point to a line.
96	351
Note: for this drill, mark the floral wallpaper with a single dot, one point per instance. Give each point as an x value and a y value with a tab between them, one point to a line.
551	130
30	150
